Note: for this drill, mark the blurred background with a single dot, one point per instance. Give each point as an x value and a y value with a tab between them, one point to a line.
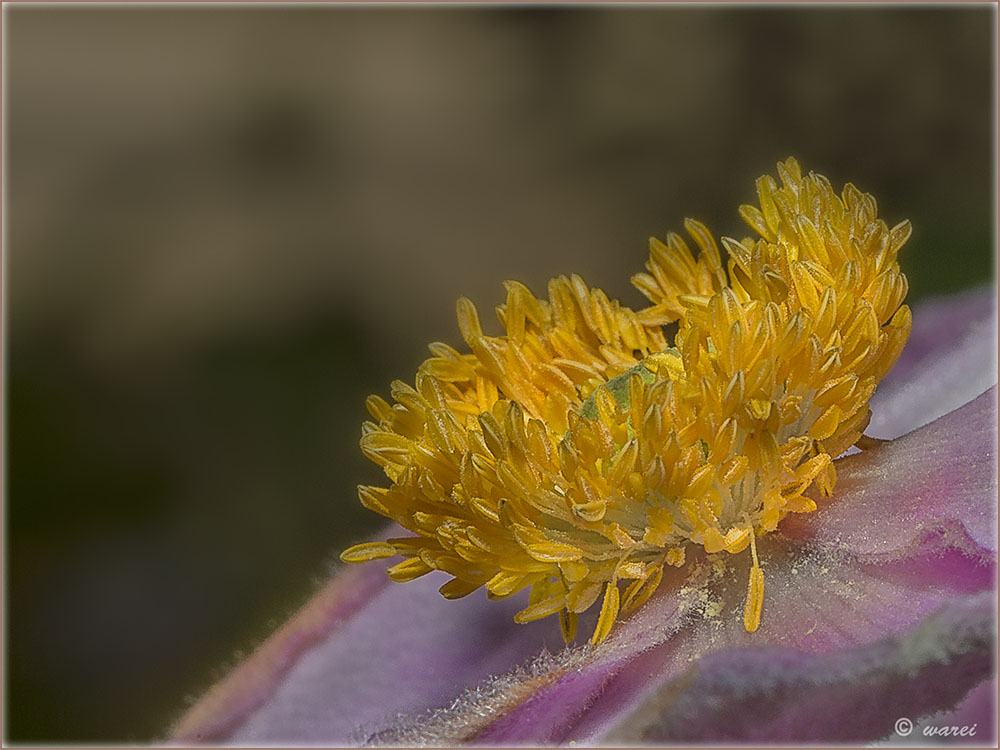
227	226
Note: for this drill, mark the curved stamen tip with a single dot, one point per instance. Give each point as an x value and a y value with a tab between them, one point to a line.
867	443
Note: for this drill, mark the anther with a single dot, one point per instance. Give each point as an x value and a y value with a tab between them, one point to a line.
755	590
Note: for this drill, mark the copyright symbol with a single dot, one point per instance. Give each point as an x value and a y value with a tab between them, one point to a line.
903	727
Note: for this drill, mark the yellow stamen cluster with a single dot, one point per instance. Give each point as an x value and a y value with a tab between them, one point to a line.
579	453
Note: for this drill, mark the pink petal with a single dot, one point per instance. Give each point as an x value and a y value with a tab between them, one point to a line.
228	703
938	480
853	695
977	712
949	359
913	528
825	591
814	603
361	651
817	601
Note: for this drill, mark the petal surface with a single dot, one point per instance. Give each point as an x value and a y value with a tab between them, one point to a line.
361	651
851	695
949	359
245	689
911	531
829	588
978	712
940	479
818	602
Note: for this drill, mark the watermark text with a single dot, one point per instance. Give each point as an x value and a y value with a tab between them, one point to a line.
904	728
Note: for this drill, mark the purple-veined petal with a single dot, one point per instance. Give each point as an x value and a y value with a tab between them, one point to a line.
972	722
820	597
367	658
977	712
851	695
816	602
361	651
228	703
940	479
949	359
938	321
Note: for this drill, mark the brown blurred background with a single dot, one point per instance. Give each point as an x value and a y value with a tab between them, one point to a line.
227	226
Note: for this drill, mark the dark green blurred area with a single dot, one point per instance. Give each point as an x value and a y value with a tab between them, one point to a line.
227	226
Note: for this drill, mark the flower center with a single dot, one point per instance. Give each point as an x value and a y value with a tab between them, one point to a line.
579	453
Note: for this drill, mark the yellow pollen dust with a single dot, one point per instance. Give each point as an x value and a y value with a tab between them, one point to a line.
580	452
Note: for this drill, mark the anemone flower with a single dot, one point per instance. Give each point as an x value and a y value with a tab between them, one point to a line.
681	501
